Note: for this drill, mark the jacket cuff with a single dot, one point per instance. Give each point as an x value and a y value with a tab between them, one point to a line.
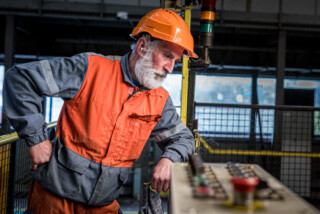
35	139
175	157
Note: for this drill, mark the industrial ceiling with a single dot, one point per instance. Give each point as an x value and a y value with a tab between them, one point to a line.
246	31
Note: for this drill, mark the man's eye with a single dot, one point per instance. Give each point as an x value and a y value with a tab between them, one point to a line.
167	55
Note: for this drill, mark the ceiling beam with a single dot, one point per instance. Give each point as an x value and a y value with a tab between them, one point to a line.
104	11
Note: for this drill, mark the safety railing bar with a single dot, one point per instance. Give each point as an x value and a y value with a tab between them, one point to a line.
255	152
9	138
282	107
4	139
52	125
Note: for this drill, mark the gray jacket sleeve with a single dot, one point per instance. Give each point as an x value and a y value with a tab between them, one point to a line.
26	84
172	136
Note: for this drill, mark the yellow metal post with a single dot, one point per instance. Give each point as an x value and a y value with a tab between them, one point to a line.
185	73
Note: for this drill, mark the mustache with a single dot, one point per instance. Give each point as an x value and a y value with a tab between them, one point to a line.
160	73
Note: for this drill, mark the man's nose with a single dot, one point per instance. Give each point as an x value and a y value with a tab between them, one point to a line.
169	66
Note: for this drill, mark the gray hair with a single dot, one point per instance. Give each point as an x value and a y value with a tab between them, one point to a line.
151	44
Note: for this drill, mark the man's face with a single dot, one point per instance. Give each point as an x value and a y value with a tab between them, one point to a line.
152	68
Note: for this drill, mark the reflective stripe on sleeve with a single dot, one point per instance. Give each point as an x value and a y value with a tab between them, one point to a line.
47	72
168	133
112	58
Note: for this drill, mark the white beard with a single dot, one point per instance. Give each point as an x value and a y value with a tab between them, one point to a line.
146	74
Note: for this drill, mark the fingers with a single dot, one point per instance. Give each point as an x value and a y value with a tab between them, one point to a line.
166	186
161	175
40	154
154	184
34	166
160	184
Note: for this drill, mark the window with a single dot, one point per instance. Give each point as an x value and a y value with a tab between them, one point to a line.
266	91
223	121
53	107
305	84
173	84
228	90
308	84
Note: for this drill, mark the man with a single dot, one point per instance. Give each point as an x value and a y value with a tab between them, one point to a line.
112	106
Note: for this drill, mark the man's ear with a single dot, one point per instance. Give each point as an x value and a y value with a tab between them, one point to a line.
141	46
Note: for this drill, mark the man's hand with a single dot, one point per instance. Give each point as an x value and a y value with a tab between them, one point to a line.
40	153
161	175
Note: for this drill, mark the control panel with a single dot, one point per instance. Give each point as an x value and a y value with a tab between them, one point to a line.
203	188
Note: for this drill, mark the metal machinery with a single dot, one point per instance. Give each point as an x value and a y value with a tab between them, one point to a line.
203	188
206	36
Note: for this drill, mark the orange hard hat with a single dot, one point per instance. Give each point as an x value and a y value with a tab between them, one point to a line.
168	26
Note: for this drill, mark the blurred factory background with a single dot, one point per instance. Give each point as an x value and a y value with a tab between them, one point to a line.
258	101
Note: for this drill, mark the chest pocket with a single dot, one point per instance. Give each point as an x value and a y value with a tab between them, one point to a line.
137	134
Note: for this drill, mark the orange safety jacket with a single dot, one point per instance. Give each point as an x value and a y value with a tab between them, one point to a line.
100	133
103	125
